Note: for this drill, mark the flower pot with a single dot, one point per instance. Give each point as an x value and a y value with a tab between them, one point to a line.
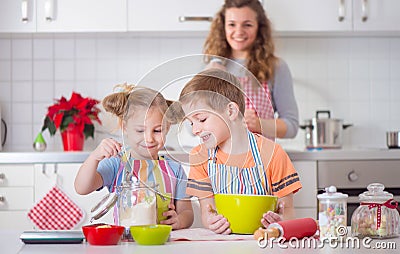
73	140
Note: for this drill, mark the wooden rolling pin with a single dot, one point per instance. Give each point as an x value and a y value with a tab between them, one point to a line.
299	228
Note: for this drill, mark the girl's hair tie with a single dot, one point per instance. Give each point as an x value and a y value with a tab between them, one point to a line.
124	88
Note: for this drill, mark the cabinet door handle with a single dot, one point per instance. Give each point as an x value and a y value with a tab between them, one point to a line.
24	11
341	10
364	10
49	10
2	176
2	200
197	18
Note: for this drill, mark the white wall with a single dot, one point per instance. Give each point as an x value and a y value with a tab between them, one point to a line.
357	78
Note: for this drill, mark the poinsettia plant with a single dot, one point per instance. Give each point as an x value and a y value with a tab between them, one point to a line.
77	112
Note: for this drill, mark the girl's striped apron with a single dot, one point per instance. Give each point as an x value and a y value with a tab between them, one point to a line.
235	180
156	171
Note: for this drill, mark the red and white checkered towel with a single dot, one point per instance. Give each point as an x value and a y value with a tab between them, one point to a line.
56	211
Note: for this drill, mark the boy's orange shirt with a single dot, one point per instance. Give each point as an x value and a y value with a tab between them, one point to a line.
282	177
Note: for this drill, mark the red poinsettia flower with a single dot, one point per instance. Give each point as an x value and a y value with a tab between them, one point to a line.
77	112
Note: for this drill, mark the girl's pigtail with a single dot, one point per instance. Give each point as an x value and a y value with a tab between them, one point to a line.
117	102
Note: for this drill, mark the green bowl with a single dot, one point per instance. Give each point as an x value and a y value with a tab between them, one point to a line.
244	212
150	234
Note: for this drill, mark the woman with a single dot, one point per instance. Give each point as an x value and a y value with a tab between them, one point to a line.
240	36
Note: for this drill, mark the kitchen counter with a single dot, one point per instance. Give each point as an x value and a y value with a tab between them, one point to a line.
11	243
295	155
345	154
60	157
43	157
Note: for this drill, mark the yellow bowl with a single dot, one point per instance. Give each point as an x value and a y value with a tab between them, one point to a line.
151	234
244	212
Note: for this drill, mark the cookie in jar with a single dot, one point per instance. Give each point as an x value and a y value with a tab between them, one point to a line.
332	213
377	216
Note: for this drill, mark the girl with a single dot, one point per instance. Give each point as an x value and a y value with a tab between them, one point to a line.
242	34
141	112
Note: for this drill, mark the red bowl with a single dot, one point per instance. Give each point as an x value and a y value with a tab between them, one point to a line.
103	234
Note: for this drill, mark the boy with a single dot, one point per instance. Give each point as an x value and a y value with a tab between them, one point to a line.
231	159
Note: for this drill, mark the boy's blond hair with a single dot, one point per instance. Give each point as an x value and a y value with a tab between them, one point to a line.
214	87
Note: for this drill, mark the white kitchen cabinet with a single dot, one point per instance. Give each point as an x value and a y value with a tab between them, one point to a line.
45	179
309	15
16	195
376	15
63	15
305	200
81	15
172	15
333	15
17	16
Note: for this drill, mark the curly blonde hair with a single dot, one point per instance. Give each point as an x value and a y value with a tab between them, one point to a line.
261	61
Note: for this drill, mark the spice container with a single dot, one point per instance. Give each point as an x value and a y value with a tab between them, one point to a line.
332	213
377	216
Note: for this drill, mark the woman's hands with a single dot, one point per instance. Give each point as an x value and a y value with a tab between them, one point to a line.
216	64
252	121
106	149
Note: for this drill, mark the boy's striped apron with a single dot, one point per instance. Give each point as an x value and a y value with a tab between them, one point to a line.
236	180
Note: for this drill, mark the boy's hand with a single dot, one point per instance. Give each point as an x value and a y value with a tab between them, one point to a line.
216	222
272	217
106	149
172	216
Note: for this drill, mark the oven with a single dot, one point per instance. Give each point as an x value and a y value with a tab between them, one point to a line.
353	176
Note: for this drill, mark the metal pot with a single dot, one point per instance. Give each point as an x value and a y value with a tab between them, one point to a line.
324	132
393	139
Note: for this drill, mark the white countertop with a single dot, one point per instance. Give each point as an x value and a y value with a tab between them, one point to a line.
10	243
345	154
43	157
295	155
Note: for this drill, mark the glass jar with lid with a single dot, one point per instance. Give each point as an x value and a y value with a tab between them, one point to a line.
332	214
377	216
134	204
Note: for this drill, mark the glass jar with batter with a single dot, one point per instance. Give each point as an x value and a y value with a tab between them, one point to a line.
134	204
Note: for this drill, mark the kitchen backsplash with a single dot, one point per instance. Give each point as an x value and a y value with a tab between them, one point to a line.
356	78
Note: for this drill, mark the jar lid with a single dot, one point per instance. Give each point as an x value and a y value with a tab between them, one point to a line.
331	193
105	204
375	193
